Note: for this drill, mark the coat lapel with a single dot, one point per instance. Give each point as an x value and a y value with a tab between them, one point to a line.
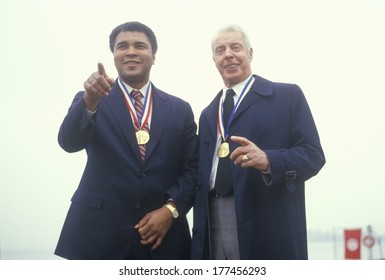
160	109
259	87
117	105
211	114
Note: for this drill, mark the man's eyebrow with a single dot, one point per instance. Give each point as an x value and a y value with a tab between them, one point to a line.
141	43
121	43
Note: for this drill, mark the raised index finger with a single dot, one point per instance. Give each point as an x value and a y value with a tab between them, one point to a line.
101	69
240	140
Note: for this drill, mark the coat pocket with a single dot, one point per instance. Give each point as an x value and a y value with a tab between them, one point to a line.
91	199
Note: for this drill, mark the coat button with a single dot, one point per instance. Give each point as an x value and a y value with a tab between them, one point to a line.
206	143
137	205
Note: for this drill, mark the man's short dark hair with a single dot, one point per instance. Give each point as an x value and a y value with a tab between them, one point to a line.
136	27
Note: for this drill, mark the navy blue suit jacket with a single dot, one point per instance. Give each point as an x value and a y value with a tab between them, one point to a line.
271	220
117	189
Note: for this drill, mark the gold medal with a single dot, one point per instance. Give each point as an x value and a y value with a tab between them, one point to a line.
142	137
224	150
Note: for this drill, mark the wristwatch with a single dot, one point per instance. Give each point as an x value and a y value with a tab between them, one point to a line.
173	210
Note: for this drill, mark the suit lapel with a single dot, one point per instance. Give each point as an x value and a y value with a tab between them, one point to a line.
117	105
160	109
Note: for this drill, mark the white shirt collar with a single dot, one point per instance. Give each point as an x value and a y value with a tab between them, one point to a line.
143	90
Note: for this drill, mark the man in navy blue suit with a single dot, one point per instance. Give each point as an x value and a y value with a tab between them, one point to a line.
140	177
258	144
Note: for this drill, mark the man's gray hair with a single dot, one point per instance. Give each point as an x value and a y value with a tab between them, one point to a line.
232	28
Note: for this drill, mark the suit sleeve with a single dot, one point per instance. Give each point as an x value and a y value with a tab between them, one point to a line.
76	130
183	193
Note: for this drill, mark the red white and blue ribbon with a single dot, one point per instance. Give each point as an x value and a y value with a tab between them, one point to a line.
147	107
222	131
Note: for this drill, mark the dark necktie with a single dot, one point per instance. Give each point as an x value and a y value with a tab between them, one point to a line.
137	95
223	181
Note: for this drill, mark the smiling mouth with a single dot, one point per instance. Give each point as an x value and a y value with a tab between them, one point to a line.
132	62
231	66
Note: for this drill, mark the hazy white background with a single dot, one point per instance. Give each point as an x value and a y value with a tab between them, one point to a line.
334	50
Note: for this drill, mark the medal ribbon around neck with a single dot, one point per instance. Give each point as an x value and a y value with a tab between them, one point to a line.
147	107
224	132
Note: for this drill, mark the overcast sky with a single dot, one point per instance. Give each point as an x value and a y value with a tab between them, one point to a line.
334	50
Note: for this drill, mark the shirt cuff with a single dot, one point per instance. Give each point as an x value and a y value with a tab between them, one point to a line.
267	176
90	114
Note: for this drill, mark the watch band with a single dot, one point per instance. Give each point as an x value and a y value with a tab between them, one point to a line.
173	210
